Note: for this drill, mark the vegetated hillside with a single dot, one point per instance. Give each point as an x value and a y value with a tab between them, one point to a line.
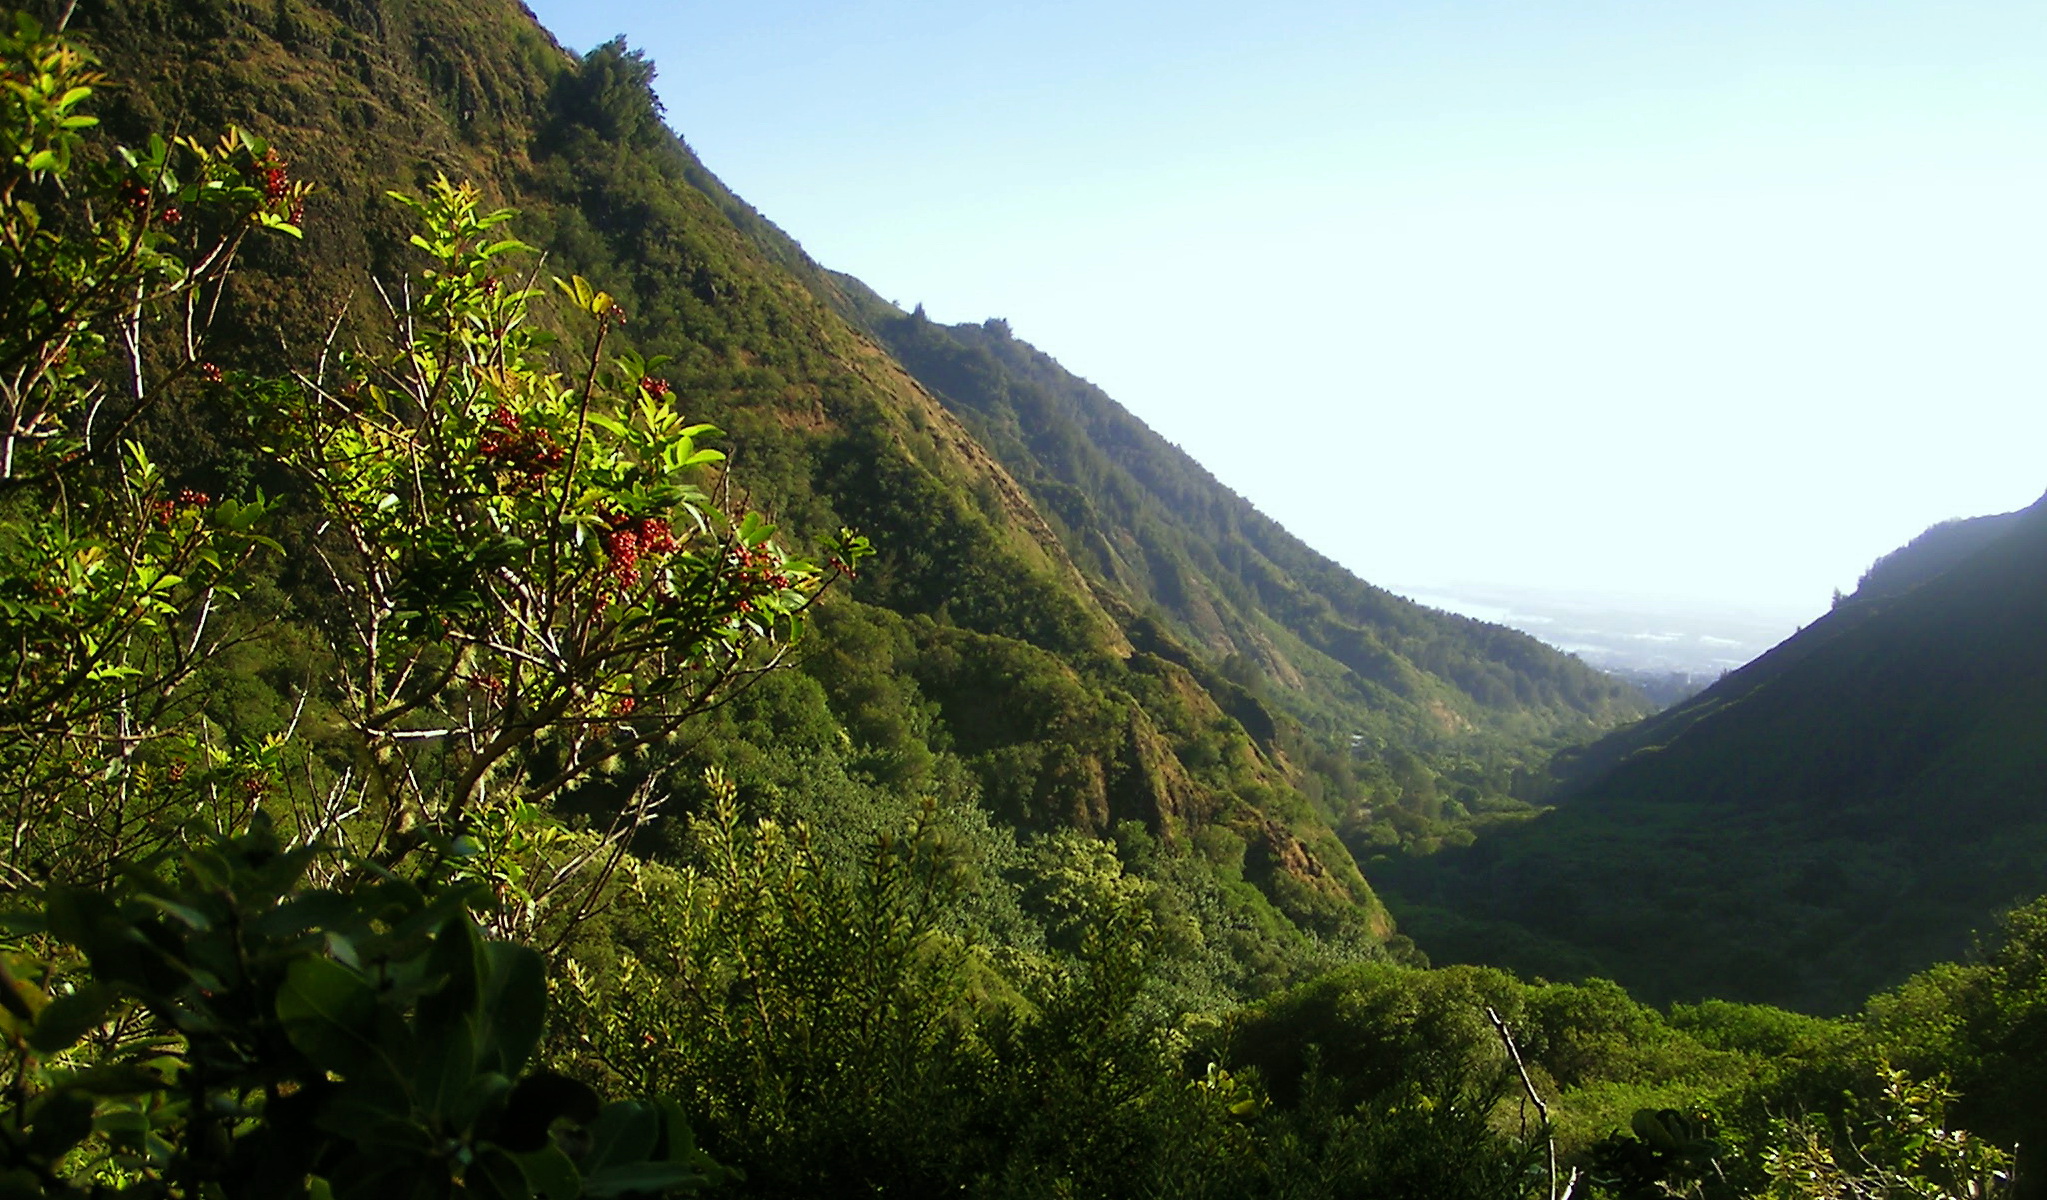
1932	553
1154	527
1839	812
1415	726
951	1011
979	662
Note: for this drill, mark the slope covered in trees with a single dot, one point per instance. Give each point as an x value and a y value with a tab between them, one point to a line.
1839	812
1932	554
1157	529
407	937
986	655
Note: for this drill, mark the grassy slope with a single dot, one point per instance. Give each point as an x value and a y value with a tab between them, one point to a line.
1836	814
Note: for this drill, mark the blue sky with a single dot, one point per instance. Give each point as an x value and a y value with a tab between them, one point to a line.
1718	301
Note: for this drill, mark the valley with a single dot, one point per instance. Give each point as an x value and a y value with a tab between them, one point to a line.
548	690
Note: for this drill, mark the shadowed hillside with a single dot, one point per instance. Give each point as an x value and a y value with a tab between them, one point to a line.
1845	809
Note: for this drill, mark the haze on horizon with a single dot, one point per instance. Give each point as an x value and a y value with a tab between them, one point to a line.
1711	301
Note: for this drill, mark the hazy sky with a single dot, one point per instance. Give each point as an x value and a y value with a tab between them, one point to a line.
1719	300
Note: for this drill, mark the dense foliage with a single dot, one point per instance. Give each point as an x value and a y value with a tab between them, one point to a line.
1410	728
1836	814
1068	692
339	787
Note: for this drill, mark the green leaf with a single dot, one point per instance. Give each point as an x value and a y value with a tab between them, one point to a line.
497	1176
328	1013
118	952
21	922
457	959
487	1093
377	1124
119	1079
59	1122
191	917
516	1001
129	1126
442	1074
754	530
678	1141
641	1177
550	1173
577	289
70	1017
622	1135
307	911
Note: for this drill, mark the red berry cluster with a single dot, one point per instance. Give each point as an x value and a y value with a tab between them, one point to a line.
138	196
657	388
629	537
209	372
276	179
275	175
526	454
623	706
167	510
754	573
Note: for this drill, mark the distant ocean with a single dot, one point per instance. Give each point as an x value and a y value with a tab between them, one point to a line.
1624	633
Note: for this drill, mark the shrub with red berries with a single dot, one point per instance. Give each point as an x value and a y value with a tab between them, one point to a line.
520	454
275	177
166	511
628	538
575	574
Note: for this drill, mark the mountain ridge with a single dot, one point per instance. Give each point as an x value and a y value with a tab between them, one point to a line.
1845	809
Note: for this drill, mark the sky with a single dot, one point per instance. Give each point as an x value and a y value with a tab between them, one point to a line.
1713	301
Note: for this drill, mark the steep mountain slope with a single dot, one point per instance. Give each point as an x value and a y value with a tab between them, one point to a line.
1932	554
988	658
1844	809
1154	528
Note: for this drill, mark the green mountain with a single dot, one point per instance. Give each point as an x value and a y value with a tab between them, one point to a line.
1843	810
1932	554
1066	635
1073	627
1152	527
